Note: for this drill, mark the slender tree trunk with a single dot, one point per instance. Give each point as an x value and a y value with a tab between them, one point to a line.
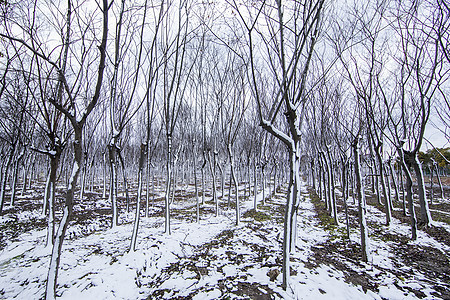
430	169
333	191
319	178
345	193
125	180
5	179
168	178
263	182
142	157
83	176
213	175
387	205
104	175
14	181
255	182
388	187
25	171
203	182
291	194
113	184
148	174
329	186
439	180
197	200
50	197
233	175
394	181
361	202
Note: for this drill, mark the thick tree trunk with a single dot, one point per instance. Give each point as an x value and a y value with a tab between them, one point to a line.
405	158
50	292
425	215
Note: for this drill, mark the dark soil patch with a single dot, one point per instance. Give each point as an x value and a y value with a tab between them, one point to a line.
11	229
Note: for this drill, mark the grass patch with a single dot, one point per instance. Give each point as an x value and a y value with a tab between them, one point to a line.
257	215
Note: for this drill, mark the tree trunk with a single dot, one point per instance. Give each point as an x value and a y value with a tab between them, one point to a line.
147	185
430	169
387	205
197	200
263	183
405	158
50	196
255	183
233	175
291	195
125	180
345	193
142	157
167	193
213	175
329	204
203	181
113	184
83	176
425	215
394	181
50	292
14	180
333	191
361	202
104	175
5	178
439	180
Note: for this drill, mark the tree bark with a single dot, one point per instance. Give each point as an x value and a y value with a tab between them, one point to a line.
143	155
361	202
425	215
405	160
5	178
387	205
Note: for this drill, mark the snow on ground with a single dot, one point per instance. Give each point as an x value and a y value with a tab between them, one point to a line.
211	260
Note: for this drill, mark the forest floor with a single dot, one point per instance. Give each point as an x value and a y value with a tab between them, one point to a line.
215	259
